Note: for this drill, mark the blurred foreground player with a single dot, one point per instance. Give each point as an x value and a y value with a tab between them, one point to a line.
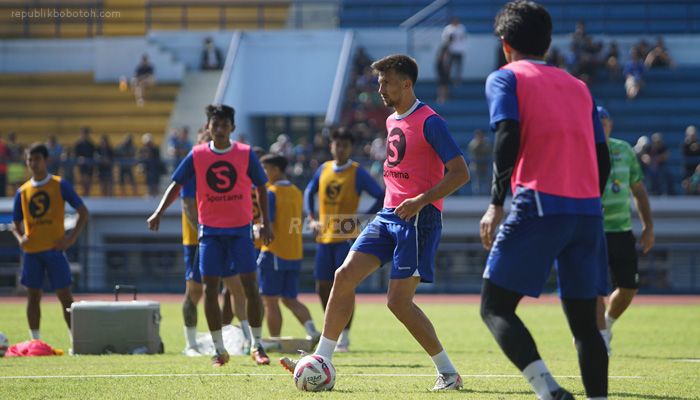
550	145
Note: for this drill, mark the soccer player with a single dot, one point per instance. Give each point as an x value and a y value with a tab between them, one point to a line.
193	278
279	263
339	184
423	166
550	144
224	172
39	210
625	177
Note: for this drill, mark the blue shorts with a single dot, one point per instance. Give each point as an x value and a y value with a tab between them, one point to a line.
192	263
527	246
226	256
329	257
278	277
51	262
411	248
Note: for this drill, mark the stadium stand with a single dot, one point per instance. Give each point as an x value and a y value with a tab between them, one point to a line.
601	16
90	18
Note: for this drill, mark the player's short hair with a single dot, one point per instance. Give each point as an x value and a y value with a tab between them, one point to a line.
342	134
399	63
526	26
220	111
277	160
38	148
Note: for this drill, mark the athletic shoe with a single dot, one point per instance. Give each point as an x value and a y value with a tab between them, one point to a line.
220	359
562	394
260	356
290	364
314	339
192	352
341	348
448	382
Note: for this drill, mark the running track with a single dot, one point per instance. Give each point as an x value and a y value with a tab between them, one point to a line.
374	298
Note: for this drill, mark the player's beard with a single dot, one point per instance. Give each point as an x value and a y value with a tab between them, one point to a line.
388	102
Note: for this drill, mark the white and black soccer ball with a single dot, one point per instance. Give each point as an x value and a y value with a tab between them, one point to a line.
314	373
4	344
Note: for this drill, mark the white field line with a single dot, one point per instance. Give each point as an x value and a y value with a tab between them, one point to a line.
688	360
479	376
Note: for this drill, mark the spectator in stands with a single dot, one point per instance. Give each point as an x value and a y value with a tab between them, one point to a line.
211	56
377	155
691	151
151	163
579	37
55	155
68	165
361	61
144	76
634	73
16	171
283	146
4	158
456	35
691	185
125	154
443	63
554	57
179	145
105	166
480	150
85	156
658	56
641	149
661	180
612	60
242	138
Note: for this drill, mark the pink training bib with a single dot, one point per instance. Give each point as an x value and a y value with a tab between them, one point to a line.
223	186
557	142
412	166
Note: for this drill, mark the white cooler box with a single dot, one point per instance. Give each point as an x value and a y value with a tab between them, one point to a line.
123	327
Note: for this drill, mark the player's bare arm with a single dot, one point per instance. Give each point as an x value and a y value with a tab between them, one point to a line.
456	176
70	239
189	207
641	201
18	233
170	195
265	226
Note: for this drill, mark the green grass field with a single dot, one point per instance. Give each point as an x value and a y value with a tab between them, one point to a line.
649	345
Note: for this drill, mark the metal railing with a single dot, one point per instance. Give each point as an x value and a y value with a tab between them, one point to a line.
670	268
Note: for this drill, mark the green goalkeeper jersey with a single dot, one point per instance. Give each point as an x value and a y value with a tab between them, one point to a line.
624	172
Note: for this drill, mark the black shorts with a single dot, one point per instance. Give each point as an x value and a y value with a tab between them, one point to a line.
622	258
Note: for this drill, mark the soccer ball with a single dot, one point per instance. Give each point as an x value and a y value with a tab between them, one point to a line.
4	344
314	373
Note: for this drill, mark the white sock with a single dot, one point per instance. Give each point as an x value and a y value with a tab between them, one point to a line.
326	347
191	336
310	328
245	327
597	398
443	364
540	379
70	336
609	321
256	334
34	333
344	339
218	340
